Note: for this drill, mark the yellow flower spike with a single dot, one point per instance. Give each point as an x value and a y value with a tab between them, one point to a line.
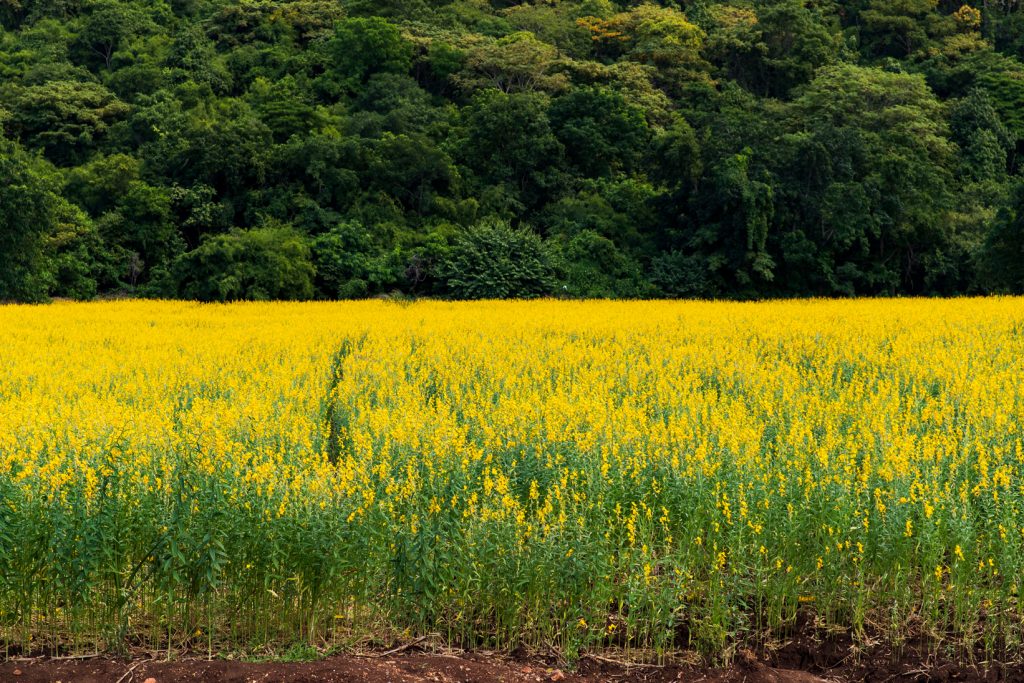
636	420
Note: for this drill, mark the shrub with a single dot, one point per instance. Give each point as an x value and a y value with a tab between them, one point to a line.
272	262
492	260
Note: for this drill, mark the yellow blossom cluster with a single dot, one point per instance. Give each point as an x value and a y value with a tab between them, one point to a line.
511	470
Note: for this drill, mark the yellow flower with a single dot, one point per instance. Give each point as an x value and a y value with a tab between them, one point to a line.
521	427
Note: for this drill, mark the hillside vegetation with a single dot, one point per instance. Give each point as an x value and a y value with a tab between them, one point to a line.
275	149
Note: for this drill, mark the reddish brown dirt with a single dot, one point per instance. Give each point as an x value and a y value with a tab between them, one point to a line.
825	667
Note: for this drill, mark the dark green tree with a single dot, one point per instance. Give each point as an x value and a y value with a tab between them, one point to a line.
776	47
898	28
110	24
29	210
359	48
589	265
492	260
699	148
1002	256
353	261
64	119
868	175
601	132
733	211
272	262
509	142
984	141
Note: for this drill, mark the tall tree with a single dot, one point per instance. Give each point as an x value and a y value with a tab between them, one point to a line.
1003	253
868	170
29	207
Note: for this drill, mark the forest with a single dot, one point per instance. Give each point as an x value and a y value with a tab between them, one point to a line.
222	150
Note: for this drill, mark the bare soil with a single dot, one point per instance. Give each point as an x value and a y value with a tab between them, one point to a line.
797	662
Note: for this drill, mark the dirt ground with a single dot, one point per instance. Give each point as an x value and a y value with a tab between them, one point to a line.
793	664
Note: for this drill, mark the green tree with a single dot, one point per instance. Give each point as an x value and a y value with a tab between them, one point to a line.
677	155
776	48
984	141
14	12
589	265
1002	256
29	206
394	103
1003	80
601	132
80	260
900	27
284	106
222	143
359	48
514	63
699	148
734	211
492	260
109	24
193	58
410	169
661	37
509	141
64	119
272	262
868	172
133	217
353	261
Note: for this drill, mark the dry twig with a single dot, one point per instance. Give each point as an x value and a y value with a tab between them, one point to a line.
129	672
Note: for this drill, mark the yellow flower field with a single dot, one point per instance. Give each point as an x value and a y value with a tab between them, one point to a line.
644	475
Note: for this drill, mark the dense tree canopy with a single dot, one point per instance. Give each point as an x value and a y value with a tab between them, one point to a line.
226	149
